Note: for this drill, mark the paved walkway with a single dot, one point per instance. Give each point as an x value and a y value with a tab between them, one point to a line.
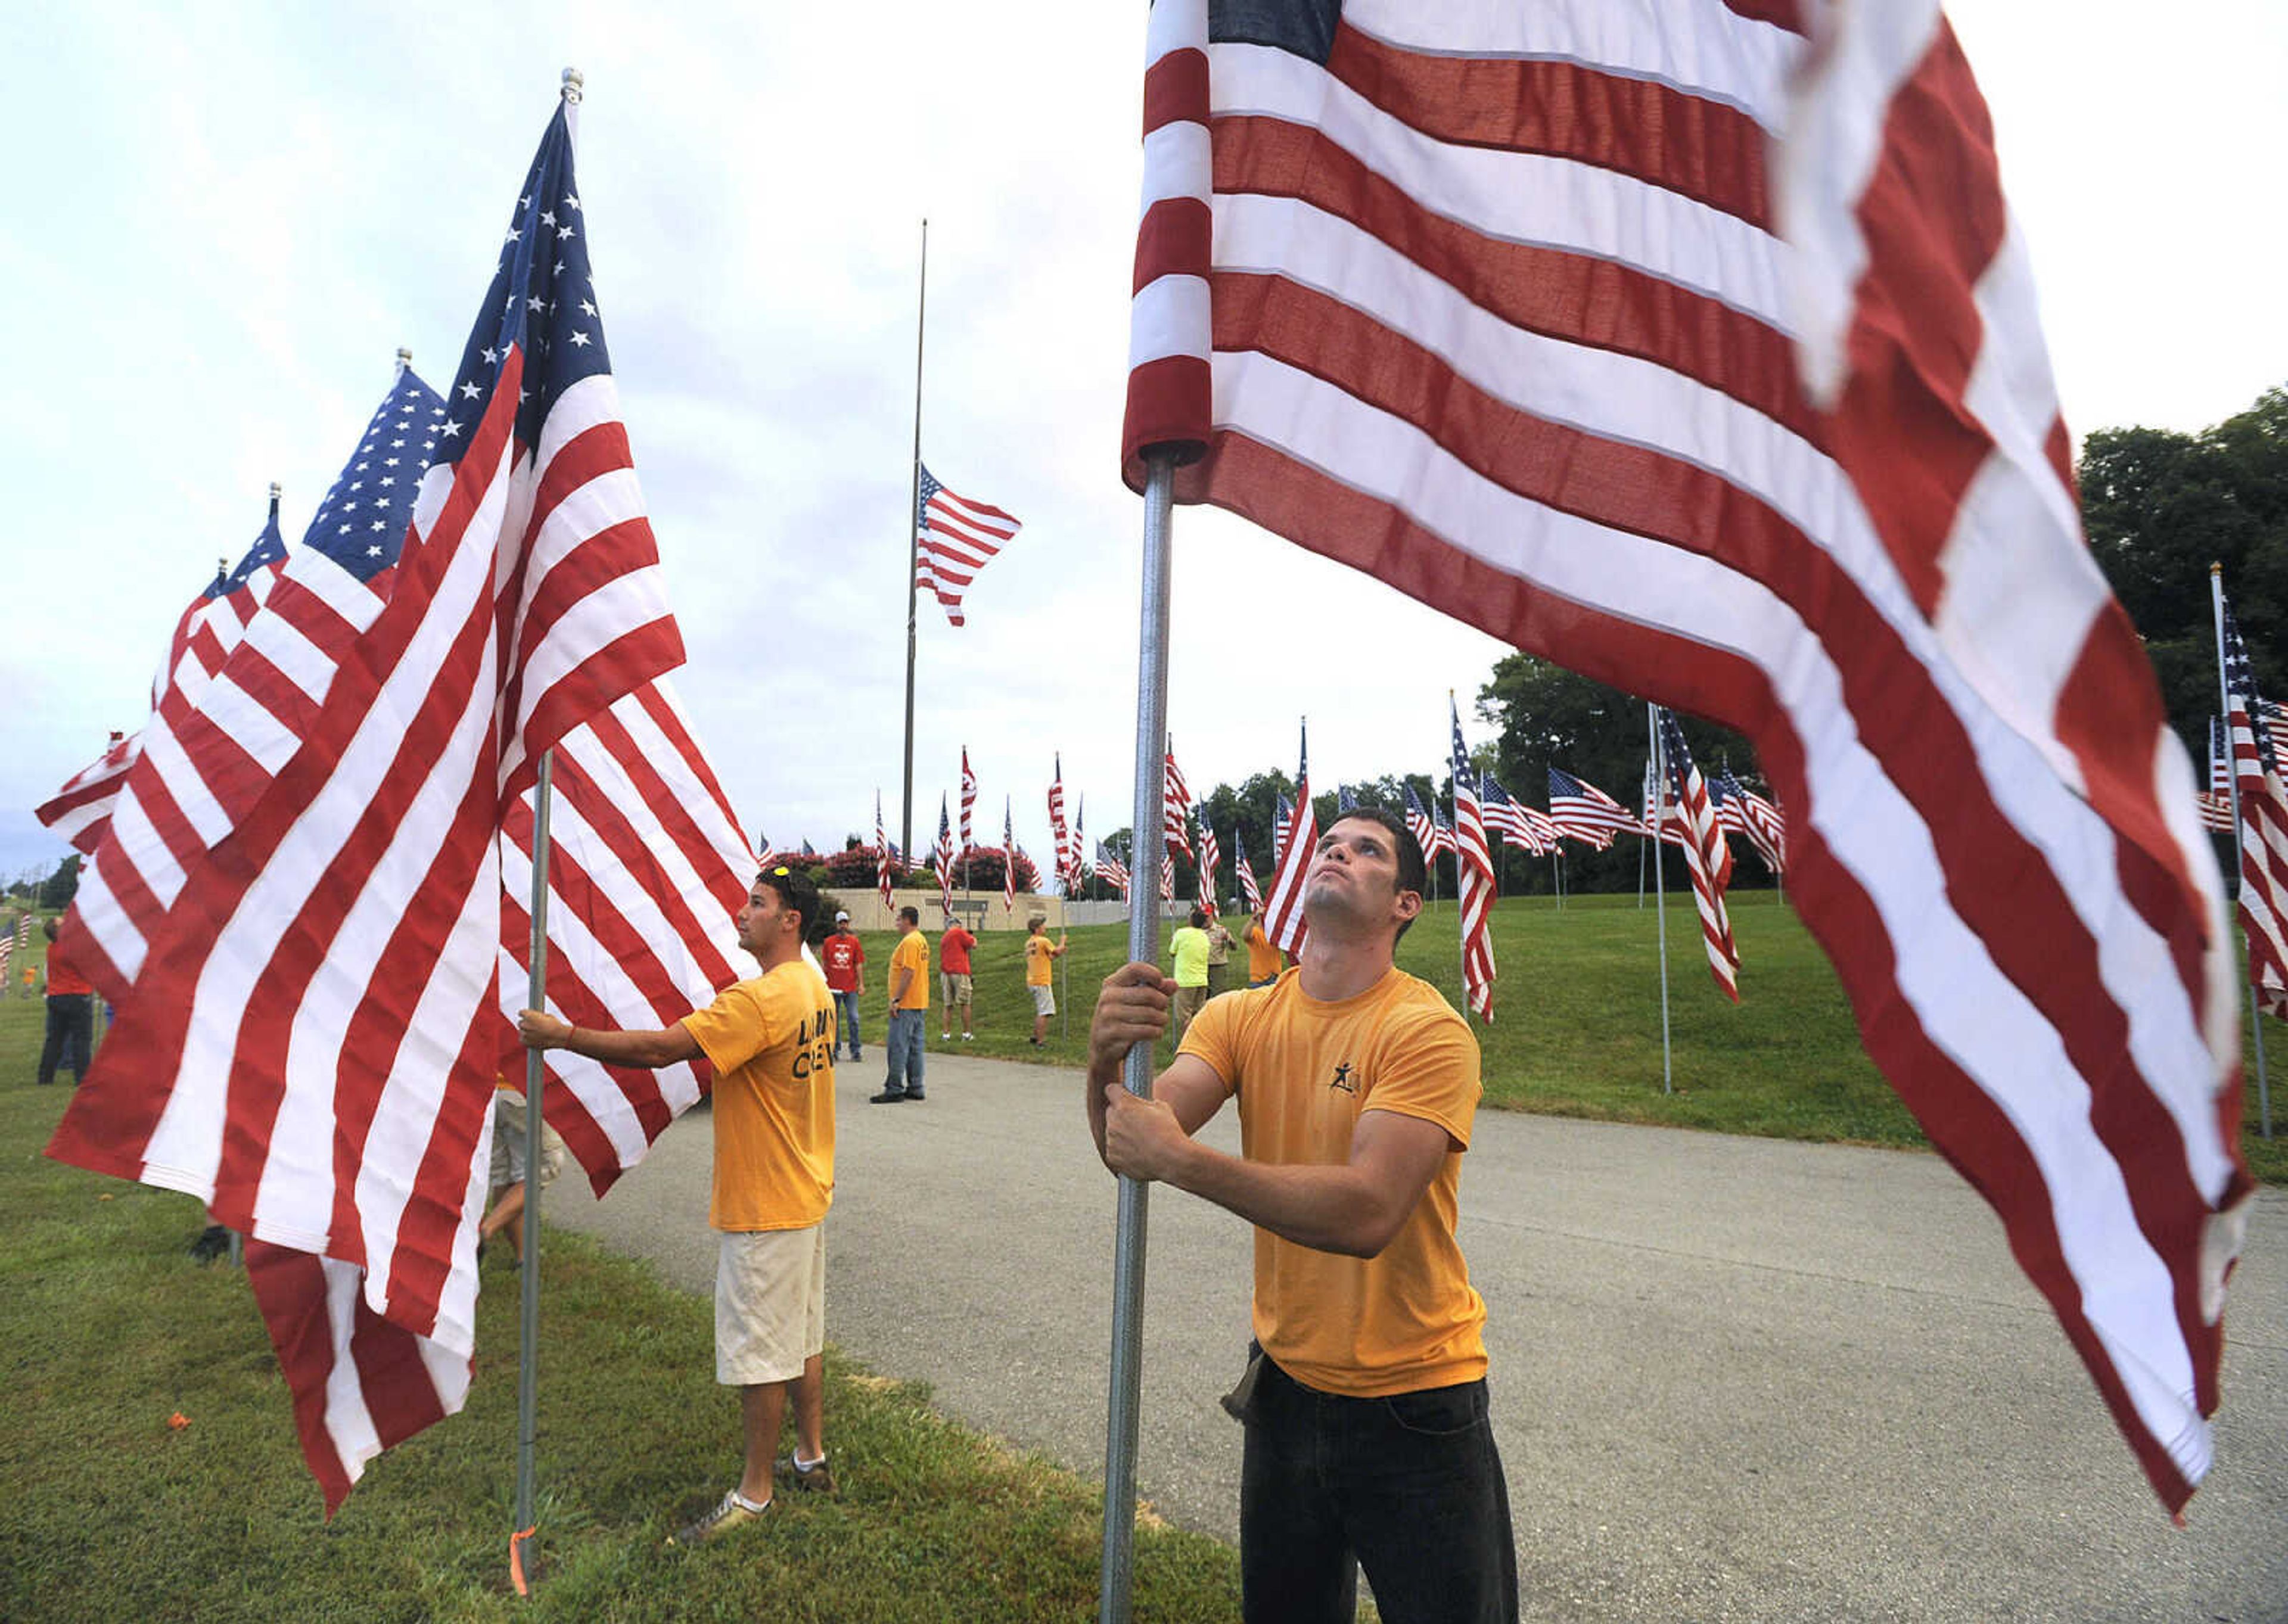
1732	1378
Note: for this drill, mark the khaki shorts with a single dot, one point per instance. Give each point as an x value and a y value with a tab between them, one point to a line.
1045	1000
952	988
508	1144
770	1304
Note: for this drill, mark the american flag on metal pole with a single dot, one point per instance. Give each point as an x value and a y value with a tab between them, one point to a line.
2216	803
1562	376
80	812
1422	827
1473	881
1584	813
2262	805
882	882
1075	856
1008	856
968	800
1111	870
1707	856
1249	891
955	538
1176	807
1757	819
1518	824
1210	860
1057	833
943	863
361	896
1298	840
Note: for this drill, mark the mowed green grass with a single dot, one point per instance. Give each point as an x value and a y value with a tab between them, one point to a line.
108	1327
1577	1027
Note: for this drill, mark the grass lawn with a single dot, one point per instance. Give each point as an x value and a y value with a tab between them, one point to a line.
108	1328
1576	1019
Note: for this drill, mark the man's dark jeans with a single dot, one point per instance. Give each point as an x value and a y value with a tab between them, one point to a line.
1410	1486
71	1035
846	1022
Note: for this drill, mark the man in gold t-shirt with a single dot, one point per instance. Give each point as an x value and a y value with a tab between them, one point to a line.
909	1011
770	1041
1364	1400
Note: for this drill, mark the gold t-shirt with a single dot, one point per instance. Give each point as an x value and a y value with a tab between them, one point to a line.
1040	954
771	1041
913	952
1263	960
1303	1071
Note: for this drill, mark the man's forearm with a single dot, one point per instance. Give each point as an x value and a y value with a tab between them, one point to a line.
646	1050
1327	1207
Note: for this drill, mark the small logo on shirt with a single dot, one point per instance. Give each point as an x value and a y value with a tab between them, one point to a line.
1345	1079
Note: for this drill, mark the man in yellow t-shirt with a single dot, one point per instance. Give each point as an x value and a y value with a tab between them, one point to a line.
910	965
1263	965
1367	1436
770	1041
1040	954
1187	953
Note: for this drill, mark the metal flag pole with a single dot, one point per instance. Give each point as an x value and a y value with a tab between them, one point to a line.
528	1361
1461	907
1113	1605
914	555
1660	890
2239	862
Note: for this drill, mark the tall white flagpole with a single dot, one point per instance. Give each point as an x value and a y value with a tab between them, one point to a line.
914	552
2239	862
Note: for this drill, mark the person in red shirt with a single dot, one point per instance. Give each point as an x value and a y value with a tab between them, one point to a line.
953	976
845	959
71	1016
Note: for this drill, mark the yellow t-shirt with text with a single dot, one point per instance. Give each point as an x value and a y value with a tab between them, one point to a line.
770	1041
912	952
1303	1071
1040	954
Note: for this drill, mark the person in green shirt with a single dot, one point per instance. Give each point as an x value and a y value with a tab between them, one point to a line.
1190	946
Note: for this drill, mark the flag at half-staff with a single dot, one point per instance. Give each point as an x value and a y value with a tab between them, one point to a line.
1706	857
1283	918
2263	805
955	538
1564	379
360	897
1473	879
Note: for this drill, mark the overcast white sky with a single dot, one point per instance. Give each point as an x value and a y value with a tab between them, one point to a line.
222	220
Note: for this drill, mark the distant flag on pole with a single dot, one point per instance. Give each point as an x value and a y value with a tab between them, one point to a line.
1057	832
1111	870
1706	857
1419	825
1283	817
944	864
2216	802
968	800
1473	880
1584	813
1177	807
1283	921
1757	819
1008	856
955	538
1249	891
1507	817
1075	857
2263	827
809	851
1345	801
881	852
1210	860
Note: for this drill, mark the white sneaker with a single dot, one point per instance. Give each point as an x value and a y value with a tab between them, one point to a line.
967	1036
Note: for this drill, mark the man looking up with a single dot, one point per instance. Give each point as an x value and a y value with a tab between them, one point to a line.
771	1041
909	1011
844	955
1364	1400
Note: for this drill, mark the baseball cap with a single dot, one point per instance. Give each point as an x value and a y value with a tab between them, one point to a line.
840	917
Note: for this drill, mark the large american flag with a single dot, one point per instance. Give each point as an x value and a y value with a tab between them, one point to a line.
1707	856
1584	813
314	1038
1491	302
954	539
1298	840
2263	800
1473	879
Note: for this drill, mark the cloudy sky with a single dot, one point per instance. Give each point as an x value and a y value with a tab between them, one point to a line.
221	225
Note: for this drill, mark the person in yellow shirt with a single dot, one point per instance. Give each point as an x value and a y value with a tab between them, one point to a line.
1040	955
1364	1397
1263	961
771	1041
910	967
1189	948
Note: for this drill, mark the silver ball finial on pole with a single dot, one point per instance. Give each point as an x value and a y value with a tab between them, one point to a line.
404	360
573	80
276	490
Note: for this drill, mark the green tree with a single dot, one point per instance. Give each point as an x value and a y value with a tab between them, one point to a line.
60	887
2160	508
